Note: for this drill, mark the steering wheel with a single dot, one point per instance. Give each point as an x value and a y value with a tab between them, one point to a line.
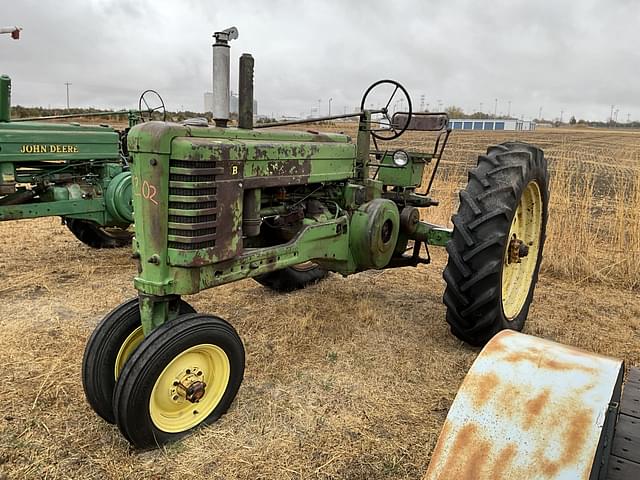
154	98
387	129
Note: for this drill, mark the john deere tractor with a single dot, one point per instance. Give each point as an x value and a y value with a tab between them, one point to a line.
214	204
79	173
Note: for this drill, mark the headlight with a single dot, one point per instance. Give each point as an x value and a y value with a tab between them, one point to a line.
400	158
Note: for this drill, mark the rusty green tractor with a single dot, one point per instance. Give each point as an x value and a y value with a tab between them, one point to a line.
214	204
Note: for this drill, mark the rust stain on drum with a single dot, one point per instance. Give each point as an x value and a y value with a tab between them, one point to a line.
534	407
541	359
483	387
504	461
446	430
474	451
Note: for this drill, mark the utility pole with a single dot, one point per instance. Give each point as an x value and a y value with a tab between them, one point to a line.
67	84
480	107
540	114
561	115
509	109
330	98
611	114
495	108
628	118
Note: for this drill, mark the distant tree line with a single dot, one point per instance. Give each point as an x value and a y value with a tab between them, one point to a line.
457	112
18	111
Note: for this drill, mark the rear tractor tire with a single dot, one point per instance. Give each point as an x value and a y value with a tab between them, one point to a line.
182	375
292	278
497	242
96	236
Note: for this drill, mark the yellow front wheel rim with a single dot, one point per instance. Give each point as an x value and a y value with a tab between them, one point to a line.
522	250
129	345
203	369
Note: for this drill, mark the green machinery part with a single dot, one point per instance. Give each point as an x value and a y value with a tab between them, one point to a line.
195	188
68	170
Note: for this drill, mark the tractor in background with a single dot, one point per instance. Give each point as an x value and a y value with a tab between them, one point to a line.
80	173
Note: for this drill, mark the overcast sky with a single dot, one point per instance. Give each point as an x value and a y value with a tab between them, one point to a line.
577	56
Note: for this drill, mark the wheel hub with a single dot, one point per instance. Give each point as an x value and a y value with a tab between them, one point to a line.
522	250
189	386
517	250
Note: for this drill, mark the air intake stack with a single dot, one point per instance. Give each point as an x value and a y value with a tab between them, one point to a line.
221	68
245	93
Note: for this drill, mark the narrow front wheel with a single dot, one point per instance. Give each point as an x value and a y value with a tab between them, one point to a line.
183	375
111	344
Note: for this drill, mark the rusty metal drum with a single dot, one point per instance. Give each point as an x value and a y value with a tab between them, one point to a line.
530	408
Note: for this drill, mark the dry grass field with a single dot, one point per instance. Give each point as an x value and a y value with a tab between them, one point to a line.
350	379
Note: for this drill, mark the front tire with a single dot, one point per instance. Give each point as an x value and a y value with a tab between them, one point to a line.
181	376
107	351
497	242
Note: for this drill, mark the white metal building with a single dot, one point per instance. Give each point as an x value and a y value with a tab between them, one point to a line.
491	124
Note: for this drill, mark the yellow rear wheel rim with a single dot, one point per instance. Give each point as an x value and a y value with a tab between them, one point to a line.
526	227
169	408
129	345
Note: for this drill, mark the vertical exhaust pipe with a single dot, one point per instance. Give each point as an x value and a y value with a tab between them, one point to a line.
221	69
245	93
251	219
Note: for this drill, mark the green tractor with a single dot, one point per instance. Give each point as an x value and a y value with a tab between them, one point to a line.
79	173
215	204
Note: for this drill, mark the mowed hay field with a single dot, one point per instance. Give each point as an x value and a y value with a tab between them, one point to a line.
351	378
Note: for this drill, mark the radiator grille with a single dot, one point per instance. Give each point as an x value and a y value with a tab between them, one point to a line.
192	233
192	191
192	202
177	177
196	219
